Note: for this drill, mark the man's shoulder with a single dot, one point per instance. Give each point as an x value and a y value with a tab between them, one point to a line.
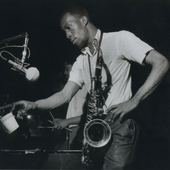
80	57
119	36
114	37
117	33
79	60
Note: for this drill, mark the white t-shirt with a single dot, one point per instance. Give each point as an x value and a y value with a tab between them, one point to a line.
118	49
76	105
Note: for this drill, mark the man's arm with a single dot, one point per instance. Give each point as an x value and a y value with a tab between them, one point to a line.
160	66
62	123
59	98
54	101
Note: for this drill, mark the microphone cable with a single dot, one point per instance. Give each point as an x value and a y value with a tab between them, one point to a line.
17	60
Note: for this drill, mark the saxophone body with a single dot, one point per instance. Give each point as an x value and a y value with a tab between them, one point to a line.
97	132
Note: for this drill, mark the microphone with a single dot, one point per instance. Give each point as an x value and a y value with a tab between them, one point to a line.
32	73
24	53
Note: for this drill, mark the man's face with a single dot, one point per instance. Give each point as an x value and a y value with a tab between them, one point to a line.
67	69
75	29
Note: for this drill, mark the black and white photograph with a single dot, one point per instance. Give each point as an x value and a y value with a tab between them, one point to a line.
85	84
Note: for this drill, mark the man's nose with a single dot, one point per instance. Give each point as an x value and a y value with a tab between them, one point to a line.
68	34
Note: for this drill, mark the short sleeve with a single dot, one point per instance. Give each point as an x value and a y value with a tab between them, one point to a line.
76	72
131	47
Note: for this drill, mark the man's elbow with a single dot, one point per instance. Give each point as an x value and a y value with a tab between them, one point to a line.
165	64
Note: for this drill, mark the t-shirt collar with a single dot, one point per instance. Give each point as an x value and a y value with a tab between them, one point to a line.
86	50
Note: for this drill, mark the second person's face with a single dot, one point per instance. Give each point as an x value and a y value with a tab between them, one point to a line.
67	69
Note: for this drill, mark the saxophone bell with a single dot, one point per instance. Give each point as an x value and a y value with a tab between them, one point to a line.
97	133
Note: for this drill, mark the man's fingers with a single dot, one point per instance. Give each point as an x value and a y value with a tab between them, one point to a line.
24	107
110	113
57	120
111	108
6	106
19	116
56	126
123	117
113	114
109	117
15	104
13	107
19	103
27	107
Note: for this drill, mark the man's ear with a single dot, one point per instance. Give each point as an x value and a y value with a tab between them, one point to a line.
84	20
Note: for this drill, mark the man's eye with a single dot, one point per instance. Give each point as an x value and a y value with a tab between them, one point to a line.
68	28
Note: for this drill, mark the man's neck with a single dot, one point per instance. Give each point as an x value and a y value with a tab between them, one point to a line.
92	34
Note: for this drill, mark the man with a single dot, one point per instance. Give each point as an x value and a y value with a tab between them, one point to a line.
75	109
118	49
76	105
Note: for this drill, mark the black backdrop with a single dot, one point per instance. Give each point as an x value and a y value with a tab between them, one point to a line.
148	19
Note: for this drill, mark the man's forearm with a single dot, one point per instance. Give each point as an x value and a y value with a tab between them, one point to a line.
158	72
58	99
51	102
74	120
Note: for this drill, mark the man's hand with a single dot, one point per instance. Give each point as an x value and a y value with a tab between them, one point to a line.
25	106
8	106
22	107
60	123
121	111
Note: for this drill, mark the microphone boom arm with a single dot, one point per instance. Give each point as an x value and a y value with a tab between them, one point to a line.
13	38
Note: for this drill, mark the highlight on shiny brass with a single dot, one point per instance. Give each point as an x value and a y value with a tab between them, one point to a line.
97	133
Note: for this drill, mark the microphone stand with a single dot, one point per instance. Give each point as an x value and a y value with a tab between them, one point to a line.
13	38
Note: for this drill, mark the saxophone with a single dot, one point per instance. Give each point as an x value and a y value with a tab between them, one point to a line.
97	132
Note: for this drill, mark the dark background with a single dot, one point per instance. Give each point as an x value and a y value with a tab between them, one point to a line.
148	19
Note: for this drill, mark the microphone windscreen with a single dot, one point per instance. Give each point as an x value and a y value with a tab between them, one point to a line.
32	74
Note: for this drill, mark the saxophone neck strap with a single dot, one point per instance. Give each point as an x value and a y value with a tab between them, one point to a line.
99	44
101	37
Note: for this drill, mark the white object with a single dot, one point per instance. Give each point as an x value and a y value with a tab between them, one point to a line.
32	74
9	123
